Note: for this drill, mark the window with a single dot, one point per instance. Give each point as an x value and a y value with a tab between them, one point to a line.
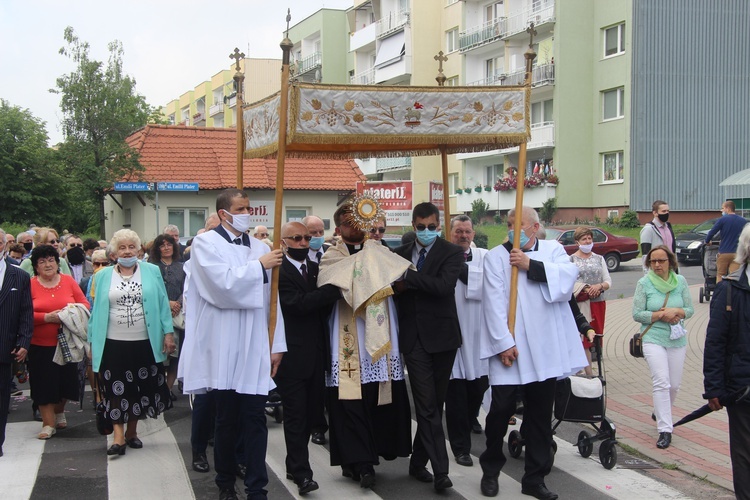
493	11
567	238
612	167
613	104
614	40
452	81
491	174
452	183
599	237
451	40
295	214
541	113
188	220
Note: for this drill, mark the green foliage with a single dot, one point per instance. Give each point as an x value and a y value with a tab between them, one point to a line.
13	228
479	209
481	240
629	219
548	210
498	218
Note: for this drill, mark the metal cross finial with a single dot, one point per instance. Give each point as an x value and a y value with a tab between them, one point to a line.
288	18
237	55
440	58
531	31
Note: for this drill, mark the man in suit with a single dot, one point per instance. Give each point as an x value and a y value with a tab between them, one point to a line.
300	378
16	326
429	335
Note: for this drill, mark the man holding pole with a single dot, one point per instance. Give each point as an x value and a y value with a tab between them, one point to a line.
544	347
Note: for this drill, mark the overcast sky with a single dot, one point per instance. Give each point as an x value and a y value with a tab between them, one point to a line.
170	45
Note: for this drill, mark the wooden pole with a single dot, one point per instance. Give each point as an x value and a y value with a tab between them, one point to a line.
520	177
286	47
441	78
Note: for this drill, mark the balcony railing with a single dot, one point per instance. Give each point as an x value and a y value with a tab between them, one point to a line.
232	102
391	23
543	74
363	78
504	27
392	164
309	63
216	109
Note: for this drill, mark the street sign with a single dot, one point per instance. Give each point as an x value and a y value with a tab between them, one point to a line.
177	186
134	186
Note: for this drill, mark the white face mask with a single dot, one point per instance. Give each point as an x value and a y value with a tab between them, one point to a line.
240	222
586	248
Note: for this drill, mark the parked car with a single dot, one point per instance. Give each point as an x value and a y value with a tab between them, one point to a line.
615	249
690	245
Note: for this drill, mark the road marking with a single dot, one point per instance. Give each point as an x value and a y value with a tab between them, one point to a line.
22	456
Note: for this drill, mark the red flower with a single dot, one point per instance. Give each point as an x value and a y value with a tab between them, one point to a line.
418	106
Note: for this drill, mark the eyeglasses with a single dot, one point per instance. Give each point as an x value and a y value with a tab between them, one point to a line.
658	261
52	242
100	264
380	230
265	235
298	238
422	227
79	245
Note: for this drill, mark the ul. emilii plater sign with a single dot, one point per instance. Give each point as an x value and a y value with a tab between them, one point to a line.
395	198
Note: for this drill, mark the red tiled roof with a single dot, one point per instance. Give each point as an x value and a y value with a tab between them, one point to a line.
208	156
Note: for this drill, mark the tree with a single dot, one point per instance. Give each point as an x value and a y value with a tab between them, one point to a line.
100	108
479	209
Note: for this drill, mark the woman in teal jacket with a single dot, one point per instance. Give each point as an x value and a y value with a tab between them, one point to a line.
131	334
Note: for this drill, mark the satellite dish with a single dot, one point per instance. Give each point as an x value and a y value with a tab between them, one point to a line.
318	75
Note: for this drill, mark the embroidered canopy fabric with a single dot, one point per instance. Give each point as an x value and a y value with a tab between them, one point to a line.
372	120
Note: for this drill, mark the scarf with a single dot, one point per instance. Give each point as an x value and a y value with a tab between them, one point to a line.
662	285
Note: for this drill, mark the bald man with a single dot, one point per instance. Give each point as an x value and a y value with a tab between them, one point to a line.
261	232
317	229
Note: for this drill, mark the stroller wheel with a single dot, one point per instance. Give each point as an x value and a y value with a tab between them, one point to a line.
700	296
585	446
515	444
608	454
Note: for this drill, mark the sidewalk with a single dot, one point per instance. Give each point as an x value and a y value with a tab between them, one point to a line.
701	447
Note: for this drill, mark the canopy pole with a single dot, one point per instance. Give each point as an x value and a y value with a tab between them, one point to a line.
239	79
441	78
520	178
286	47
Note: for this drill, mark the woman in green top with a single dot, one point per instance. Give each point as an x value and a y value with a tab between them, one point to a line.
662	300
46	236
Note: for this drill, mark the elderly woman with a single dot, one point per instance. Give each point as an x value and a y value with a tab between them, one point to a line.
593	281
46	236
661	303
164	254
131	334
51	384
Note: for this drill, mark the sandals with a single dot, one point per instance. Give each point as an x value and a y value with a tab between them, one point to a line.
47	432
60	421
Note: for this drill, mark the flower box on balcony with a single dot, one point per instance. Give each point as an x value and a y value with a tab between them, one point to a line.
467	190
459	191
478	189
488	188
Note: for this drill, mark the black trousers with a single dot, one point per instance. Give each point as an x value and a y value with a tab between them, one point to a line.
428	376
536	430
6	372
739	448
462	402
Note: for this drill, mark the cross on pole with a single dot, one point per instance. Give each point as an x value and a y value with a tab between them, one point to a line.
237	55
440	58
531	31
288	18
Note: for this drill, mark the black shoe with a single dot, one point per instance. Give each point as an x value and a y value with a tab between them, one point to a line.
1	452
318	438
539	491
306	486
367	479
37	416
134	442
465	460
172	397
421	474
665	439
241	471
289	476
228	494
442	482
476	427
489	486
200	462
653	417
348	471
117	449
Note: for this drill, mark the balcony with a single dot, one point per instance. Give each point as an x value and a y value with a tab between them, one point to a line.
505	200
199	119
392	164
541	75
232	101
309	63
542	137
362	38
505	27
217	108
481	35
363	78
391	23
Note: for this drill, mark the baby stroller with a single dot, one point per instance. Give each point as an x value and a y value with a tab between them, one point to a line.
582	400
710	252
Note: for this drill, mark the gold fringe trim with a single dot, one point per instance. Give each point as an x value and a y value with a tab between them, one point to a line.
381	352
378	296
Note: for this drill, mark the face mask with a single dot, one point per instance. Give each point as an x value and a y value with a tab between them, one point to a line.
298	254
664	217
127	261
524	238
427	237
240	222
317	241
28	246
76	256
586	248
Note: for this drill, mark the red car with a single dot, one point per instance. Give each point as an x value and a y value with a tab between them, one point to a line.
615	249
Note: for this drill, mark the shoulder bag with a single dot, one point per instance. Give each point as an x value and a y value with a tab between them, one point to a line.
636	343
103	422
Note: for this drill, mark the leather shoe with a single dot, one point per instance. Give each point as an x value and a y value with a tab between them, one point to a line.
465	460
117	449
348	471
476	427
421	474
228	494
37	416
200	462
489	486
539	491
306	486
241	471
443	482
134	442
318	438
367	479
665	439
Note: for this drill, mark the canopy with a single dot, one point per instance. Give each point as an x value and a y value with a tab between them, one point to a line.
345	121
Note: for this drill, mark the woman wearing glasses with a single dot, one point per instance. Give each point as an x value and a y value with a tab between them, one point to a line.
661	303
46	236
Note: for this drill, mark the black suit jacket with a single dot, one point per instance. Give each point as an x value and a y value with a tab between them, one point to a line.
16	312
427	309
305	308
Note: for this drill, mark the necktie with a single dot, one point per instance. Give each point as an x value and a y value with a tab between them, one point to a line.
303	268
467	256
420	261
238	241
318	256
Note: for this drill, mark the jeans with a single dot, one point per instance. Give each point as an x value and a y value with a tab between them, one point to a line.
665	364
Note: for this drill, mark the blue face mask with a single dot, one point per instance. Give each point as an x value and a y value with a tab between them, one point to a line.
127	261
316	242
427	237
524	238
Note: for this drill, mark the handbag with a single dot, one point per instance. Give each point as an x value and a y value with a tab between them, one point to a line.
677	331
582	296
103	422
636	343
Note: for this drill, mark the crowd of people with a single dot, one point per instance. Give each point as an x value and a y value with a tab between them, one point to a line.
352	317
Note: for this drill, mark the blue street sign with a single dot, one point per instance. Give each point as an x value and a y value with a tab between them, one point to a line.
134	186
177	186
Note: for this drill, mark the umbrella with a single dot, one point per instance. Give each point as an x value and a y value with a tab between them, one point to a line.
727	400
